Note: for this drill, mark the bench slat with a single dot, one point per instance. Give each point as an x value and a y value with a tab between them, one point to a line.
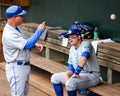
46	64
109	58
109	52
56	42
110	46
54	33
106	90
55	47
110	65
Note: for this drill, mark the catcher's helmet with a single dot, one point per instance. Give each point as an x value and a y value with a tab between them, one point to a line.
87	30
83	29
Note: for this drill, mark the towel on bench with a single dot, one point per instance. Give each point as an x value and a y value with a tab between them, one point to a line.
96	42
44	34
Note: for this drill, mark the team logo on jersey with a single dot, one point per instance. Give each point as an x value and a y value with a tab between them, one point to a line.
86	46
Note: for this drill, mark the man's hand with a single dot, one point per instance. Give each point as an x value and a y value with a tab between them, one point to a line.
42	26
76	76
68	75
39	47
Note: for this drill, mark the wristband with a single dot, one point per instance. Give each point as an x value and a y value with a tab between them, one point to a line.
78	70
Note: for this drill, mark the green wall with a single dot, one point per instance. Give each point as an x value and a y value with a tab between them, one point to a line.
64	12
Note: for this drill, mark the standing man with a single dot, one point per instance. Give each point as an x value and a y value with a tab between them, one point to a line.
83	69
16	49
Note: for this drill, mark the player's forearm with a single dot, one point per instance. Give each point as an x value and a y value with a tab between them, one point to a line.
82	61
33	39
68	75
80	65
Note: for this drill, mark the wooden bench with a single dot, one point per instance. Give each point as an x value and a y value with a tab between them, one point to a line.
108	56
1	51
37	81
104	89
108	53
46	64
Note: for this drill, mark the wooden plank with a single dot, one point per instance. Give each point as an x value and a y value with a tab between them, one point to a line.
1	31
36	92
114	67
110	65
110	46
4	4
2	65
55	47
102	63
29	25
15	2
1	50
115	53
2	57
56	42
117	84
22	2
41	80
60	60
46	64
109	58
54	33
106	90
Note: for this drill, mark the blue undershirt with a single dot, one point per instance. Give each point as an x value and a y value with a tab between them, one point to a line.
33	39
